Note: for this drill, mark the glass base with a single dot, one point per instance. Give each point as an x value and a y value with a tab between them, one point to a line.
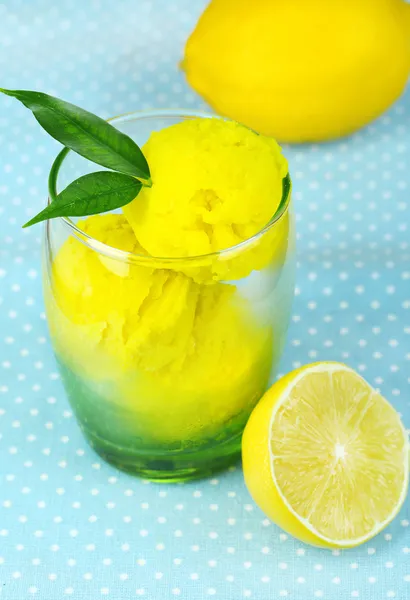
171	467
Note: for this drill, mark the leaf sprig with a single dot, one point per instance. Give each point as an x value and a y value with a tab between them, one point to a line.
98	141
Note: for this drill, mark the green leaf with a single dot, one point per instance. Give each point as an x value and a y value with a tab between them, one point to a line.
91	194
85	133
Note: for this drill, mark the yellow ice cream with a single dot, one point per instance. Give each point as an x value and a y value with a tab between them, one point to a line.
174	352
185	358
219	185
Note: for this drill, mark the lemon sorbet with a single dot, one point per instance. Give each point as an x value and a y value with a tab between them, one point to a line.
168	318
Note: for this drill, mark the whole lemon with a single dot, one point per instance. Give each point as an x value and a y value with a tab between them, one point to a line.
300	71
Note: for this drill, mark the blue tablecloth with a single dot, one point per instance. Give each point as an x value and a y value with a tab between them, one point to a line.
73	527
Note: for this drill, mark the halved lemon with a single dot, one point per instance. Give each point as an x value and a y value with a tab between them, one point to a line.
326	457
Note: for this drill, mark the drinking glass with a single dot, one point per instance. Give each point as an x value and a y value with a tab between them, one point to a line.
163	358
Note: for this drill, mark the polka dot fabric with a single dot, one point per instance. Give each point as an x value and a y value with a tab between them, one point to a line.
70	525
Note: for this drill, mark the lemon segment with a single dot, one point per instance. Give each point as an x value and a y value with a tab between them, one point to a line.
326	456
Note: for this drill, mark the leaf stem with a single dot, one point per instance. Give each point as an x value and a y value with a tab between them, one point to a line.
146	182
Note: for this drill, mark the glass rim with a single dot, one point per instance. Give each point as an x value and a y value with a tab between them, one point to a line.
124	256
